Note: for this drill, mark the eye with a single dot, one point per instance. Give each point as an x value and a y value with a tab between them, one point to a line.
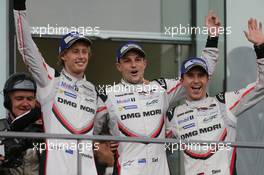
31	98
85	51
138	59
19	98
75	50
201	75
125	60
190	75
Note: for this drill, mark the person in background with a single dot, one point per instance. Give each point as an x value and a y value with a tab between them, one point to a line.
23	115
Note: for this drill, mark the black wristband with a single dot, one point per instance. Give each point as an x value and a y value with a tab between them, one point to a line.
259	51
20	4
212	42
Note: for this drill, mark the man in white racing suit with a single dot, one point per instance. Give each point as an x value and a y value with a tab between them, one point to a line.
213	118
136	108
68	100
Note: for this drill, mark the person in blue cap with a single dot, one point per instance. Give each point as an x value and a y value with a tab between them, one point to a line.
136	107
213	118
68	101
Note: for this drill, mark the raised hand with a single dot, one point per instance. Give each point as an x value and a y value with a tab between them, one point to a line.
254	33
212	22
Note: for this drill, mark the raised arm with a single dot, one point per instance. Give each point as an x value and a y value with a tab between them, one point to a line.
240	101
210	54
33	59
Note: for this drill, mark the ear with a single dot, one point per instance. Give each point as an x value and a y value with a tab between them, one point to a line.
62	57
145	62
181	79
118	66
208	78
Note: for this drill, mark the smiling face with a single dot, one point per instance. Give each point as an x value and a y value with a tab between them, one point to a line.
132	67
195	83
75	59
22	101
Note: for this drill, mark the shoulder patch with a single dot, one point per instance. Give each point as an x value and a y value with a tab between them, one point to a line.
101	92
170	113
221	97
162	83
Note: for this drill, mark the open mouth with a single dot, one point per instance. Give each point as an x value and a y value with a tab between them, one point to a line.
134	73
196	89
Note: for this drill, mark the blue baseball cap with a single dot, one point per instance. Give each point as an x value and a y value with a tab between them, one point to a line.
125	48
193	62
69	39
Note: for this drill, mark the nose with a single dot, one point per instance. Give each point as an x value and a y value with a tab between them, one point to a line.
26	104
81	55
196	79
133	63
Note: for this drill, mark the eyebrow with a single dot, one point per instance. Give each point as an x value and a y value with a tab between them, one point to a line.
24	96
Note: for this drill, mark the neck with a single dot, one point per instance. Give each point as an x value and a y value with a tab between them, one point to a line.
143	81
75	75
78	76
195	100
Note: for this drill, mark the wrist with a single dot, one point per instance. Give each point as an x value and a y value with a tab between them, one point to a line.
212	41
259	49
260	43
20	4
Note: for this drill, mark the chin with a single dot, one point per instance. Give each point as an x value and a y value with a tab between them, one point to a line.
81	67
132	81
80	70
196	97
19	113
137	81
